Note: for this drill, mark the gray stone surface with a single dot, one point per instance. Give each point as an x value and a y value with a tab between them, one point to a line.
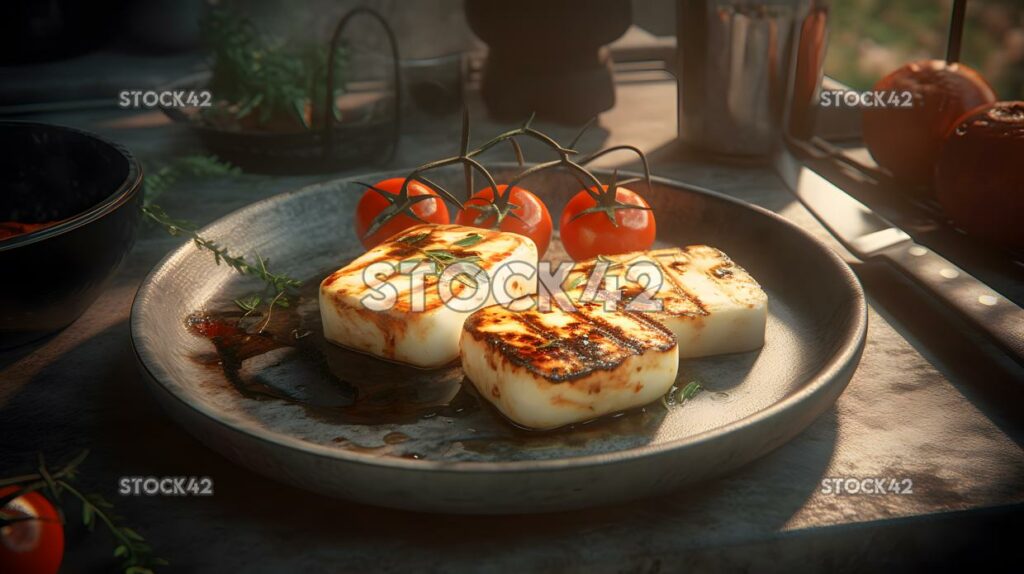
930	403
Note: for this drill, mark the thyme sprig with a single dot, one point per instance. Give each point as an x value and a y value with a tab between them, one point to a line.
279	282
198	166
190	166
414	238
612	264
442	258
249	304
135	553
469	240
677	396
499	206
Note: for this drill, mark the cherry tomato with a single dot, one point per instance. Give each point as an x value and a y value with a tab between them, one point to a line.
31	546
594	234
533	219
372	203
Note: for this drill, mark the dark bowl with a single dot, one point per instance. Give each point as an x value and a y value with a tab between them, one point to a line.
91	188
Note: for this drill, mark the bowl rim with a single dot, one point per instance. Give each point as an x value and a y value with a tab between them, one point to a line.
129	187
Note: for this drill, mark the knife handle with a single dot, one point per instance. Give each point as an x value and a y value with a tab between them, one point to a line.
996	316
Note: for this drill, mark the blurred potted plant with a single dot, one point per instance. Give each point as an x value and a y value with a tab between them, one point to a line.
269	109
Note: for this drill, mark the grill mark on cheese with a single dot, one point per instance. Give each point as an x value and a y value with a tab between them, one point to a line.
587	344
729	280
396	251
678	289
580	339
616	333
675	295
654	333
722	270
723	274
529	351
353	269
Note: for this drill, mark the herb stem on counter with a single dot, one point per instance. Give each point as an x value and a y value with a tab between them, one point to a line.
135	553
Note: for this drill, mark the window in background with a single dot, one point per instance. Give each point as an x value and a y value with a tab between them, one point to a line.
870	38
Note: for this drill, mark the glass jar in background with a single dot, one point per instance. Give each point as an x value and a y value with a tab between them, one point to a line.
744	67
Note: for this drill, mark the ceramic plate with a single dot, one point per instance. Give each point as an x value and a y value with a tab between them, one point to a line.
295	408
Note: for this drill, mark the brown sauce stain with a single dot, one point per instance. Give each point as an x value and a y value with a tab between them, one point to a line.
395	437
331	383
346	387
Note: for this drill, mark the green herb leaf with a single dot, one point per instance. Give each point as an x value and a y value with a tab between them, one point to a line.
550	343
612	264
442	254
158	181
469	240
129	533
88	517
414	238
690	390
249	304
676	396
279	282
135	554
466	280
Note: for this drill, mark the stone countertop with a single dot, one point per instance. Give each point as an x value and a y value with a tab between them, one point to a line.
930	403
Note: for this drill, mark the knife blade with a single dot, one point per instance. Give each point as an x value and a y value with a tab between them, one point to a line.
870	237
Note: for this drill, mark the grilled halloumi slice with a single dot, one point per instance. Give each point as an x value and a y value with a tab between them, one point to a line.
712	305
546	369
383	304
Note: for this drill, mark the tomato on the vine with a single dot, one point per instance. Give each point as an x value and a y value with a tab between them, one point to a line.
34	546
386	196
520	210
599	223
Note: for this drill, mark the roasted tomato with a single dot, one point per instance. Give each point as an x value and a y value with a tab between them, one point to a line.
34	546
521	212
978	180
907	140
383	210
614	220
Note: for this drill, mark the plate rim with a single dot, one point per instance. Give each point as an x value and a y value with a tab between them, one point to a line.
847	357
